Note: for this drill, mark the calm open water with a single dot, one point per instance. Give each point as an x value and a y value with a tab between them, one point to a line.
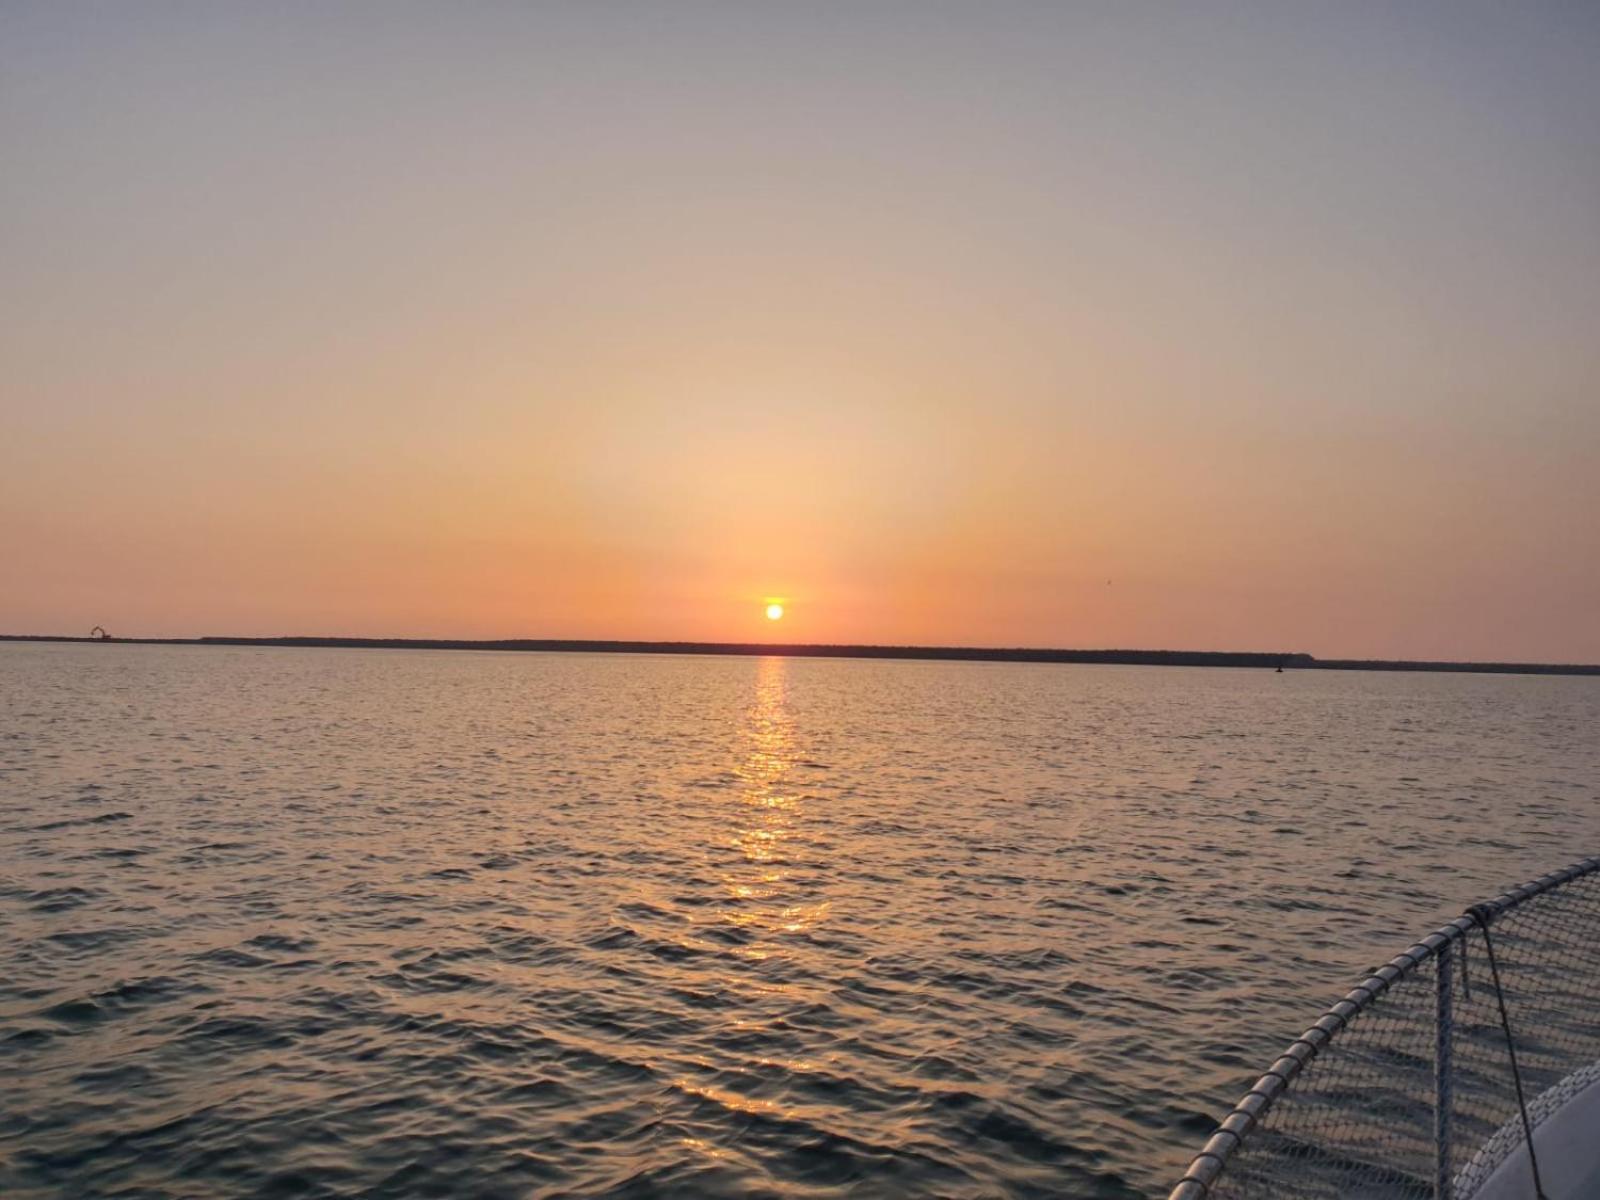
379	923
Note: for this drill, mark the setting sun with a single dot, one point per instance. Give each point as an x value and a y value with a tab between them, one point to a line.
774	612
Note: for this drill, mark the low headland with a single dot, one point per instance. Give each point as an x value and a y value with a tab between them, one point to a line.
1271	660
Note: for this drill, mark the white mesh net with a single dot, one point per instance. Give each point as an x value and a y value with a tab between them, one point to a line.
1373	1117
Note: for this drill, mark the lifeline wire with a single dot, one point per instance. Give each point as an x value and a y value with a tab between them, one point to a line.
1482	914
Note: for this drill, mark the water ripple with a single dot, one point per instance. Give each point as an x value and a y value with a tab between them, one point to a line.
540	926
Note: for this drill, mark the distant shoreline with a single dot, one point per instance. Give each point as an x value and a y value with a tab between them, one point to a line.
1140	658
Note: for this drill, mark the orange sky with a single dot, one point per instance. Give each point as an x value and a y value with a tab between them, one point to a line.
1020	325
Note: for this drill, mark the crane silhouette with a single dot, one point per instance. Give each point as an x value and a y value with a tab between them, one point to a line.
99	633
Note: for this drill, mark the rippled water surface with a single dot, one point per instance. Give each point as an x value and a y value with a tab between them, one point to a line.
395	923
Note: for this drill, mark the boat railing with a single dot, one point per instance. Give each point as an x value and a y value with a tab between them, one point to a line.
1421	1080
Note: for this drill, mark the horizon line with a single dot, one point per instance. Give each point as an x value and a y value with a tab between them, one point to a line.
1275	660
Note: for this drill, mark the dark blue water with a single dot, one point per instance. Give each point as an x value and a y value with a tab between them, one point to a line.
351	923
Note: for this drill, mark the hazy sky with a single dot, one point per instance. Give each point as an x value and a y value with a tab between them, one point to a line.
610	319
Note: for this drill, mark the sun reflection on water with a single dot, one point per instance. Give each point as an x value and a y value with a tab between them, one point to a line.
767	831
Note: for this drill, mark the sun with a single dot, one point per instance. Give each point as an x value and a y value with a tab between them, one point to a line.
774	612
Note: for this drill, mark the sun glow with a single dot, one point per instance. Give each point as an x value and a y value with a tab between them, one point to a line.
774	611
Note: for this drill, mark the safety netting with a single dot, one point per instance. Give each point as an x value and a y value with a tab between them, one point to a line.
1409	1087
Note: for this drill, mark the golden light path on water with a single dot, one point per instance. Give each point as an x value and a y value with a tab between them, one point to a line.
769	811
762	817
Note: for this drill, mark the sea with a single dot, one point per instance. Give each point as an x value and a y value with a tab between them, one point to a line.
406	923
